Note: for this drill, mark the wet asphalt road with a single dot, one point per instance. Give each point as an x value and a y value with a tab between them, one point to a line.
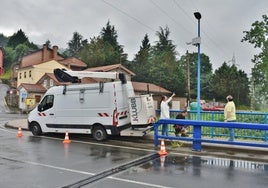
46	162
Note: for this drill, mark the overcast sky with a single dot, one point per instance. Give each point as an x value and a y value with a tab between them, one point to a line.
222	23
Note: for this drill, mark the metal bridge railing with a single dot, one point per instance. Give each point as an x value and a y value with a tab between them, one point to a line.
197	137
222	132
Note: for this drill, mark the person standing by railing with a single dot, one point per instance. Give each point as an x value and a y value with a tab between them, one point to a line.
230	114
164	114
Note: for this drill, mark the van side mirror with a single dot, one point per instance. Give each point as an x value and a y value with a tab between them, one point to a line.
122	77
39	107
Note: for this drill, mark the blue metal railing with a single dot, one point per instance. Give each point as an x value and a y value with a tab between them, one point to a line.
247	117
197	138
213	132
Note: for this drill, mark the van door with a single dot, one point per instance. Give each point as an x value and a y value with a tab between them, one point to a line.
46	111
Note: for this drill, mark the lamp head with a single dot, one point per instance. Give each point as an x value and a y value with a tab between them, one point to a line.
197	15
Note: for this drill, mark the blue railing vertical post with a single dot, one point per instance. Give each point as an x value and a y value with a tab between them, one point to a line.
156	125
197	138
212	132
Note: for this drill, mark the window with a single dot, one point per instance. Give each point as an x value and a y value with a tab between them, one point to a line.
20	75
46	103
24	74
45	83
51	83
30	74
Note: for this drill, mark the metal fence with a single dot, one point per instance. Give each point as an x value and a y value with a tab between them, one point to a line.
197	137
250	127
215	132
246	117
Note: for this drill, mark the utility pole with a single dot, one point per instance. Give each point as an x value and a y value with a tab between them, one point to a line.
188	79
252	93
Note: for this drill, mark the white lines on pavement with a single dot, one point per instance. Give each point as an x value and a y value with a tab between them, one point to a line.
84	172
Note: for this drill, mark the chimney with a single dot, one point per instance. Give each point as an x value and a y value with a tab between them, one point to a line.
55	52
44	53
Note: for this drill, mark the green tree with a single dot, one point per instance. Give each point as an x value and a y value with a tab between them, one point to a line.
3	40
227	80
75	45
141	63
206	74
20	50
258	36
114	52
163	65
93	53
17	45
17	38
9	58
104	49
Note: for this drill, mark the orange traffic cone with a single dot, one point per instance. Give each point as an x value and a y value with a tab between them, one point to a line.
66	139
162	148
19	134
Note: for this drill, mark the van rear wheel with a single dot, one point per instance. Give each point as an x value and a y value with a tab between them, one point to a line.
36	129
99	133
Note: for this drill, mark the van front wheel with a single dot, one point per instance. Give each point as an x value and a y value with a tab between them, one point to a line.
99	133
36	129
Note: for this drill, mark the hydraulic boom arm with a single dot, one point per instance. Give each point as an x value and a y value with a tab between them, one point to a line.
74	76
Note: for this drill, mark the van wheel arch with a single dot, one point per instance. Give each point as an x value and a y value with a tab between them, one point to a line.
99	133
35	128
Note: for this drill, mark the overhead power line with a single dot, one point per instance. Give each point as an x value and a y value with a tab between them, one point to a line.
131	17
222	50
174	20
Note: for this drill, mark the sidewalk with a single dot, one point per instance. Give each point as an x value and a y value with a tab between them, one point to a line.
14	124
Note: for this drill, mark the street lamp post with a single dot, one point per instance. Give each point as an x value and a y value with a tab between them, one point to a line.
197	129
198	17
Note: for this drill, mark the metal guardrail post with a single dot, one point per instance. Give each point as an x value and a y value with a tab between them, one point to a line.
197	138
156	125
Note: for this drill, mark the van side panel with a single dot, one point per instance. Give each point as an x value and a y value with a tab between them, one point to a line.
79	107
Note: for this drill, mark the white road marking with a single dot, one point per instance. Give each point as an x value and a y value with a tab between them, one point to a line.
85	173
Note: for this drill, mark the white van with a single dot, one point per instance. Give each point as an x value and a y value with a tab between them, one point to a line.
99	109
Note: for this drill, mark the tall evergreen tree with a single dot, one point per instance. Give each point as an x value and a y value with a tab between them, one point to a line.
114	52
17	38
17	46
163	67
141	62
104	49
75	45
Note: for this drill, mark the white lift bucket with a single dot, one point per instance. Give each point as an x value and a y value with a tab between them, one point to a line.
142	110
